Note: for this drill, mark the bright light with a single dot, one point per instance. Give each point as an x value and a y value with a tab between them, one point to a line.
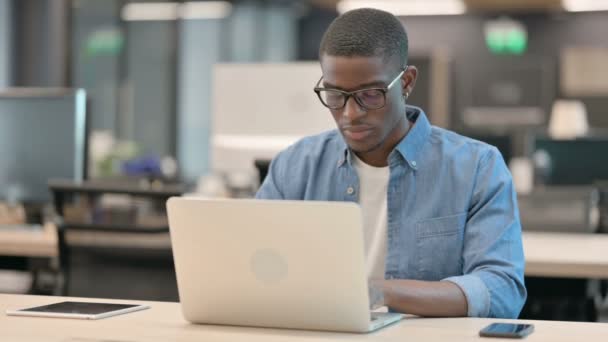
585	5
505	36
407	7
145	11
205	10
162	11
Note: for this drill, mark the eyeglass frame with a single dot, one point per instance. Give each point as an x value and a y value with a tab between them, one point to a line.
348	94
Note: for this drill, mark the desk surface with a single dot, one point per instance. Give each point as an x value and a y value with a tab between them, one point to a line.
547	254
566	255
164	322
29	242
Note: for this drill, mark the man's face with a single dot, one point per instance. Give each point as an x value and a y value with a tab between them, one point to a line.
364	130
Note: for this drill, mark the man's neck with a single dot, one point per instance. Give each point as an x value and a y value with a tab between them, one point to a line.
379	156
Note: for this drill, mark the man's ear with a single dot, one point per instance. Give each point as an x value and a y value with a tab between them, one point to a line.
408	80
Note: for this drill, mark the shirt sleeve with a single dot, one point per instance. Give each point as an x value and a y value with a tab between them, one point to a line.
271	187
493	257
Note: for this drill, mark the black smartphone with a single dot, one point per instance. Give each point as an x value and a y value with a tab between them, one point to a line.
508	330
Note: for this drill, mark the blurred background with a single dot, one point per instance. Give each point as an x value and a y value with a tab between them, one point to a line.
107	108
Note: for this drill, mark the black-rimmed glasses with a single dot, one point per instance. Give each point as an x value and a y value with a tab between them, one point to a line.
369	98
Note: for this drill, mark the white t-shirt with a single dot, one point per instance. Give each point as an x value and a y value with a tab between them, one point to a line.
373	190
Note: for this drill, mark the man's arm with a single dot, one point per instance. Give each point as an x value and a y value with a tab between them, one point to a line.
423	298
287	173
270	188
492	284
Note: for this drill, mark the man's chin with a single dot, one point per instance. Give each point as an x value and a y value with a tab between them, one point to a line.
361	146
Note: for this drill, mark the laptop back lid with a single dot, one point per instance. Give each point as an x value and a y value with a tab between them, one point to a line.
281	264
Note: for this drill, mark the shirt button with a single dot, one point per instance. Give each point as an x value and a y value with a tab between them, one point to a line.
350	190
413	163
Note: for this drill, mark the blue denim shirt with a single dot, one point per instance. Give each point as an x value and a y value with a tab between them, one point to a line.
452	209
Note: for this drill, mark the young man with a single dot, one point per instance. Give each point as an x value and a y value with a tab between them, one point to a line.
442	230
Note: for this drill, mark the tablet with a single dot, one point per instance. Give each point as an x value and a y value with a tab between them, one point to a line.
80	310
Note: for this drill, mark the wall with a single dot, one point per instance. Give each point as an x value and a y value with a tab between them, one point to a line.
149	114
471	60
547	35
255	32
5	42
95	62
41	44
201	45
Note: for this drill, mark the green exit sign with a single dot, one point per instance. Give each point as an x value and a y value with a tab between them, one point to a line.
505	36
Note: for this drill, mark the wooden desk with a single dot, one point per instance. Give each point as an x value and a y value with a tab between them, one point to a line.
40	248
29	243
164	322
566	255
547	254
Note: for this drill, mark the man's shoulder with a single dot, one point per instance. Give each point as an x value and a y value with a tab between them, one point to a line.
455	144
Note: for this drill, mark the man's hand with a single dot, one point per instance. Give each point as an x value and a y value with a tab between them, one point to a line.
422	298
376	294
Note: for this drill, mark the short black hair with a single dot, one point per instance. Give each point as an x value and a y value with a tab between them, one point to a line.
366	32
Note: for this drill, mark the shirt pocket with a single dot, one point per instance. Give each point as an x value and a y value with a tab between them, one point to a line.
439	243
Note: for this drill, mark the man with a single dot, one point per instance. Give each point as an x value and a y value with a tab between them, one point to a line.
442	230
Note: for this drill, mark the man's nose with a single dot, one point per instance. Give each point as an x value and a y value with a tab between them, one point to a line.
352	109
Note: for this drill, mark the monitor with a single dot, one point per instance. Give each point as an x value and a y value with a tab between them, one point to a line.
42	136
273	107
572	162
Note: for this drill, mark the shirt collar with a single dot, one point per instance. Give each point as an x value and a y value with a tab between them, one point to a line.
409	148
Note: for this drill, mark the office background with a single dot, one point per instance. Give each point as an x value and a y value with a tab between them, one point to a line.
198	96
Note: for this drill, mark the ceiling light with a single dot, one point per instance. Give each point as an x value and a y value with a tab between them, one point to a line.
162	11
407	7
150	11
205	10
585	5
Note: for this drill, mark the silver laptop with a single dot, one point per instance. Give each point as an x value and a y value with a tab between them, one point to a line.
279	264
